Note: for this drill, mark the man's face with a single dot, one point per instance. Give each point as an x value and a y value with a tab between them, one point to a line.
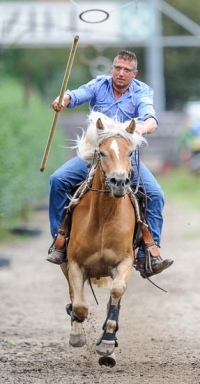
123	71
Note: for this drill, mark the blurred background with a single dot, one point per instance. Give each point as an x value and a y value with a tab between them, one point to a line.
35	42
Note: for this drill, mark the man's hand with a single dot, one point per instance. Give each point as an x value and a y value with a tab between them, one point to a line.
140	130
65	103
148	126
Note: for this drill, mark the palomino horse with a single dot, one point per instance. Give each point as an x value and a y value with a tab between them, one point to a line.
103	223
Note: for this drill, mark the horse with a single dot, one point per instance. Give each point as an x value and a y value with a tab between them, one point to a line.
103	212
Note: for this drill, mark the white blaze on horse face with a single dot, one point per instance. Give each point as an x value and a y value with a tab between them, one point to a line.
115	148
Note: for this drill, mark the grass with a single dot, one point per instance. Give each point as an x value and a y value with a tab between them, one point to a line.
182	187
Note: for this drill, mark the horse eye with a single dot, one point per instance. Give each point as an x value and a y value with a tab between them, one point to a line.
130	154
102	154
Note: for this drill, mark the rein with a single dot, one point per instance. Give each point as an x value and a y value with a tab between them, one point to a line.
137	162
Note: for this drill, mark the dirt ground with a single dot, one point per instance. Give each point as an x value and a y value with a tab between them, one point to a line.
159	332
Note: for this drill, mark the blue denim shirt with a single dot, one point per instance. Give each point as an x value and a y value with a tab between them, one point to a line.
137	101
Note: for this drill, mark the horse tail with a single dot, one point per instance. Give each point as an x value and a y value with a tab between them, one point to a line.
101	282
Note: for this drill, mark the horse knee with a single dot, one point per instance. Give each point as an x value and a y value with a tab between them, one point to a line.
80	310
117	290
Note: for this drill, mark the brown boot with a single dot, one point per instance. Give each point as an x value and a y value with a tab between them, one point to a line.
57	252
157	265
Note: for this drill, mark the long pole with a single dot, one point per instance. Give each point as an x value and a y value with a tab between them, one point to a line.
63	88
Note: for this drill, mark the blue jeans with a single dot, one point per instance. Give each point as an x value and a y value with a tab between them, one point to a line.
75	170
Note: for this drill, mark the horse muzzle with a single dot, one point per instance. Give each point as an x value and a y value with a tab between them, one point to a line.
118	183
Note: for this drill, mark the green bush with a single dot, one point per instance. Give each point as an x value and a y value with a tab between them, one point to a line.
181	187
25	126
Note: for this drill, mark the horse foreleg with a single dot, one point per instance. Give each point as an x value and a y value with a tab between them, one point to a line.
76	281
78	310
108	341
65	268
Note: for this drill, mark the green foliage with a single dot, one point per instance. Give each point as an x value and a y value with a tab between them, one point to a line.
182	187
43	68
25	126
181	70
181	64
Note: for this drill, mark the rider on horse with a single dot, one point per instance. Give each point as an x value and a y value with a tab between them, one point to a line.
120	96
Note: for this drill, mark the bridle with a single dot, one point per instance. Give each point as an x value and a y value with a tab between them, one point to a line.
97	160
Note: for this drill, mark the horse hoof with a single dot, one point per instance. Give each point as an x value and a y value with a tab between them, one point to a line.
105	348
77	341
108	361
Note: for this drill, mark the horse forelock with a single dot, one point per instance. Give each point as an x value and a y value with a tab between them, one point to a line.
92	138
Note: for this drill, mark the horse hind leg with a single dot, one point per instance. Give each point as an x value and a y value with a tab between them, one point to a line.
108	341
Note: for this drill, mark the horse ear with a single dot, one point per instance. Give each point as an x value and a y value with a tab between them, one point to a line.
99	124
131	127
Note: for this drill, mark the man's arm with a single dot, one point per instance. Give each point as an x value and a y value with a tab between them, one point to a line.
148	126
81	95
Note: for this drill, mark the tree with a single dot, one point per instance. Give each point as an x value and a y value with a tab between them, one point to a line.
23	135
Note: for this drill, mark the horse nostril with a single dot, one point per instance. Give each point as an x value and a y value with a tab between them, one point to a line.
113	181
119	183
127	182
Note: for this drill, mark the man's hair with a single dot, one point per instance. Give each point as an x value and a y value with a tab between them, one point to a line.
126	55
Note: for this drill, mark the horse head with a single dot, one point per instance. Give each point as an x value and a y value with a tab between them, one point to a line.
115	154
115	143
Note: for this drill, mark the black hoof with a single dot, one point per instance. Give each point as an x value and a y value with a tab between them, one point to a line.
108	361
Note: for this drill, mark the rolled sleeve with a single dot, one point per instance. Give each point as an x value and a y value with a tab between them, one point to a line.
82	95
145	104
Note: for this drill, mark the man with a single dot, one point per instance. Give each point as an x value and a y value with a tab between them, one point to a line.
117	95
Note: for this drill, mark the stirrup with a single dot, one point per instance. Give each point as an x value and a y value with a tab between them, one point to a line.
56	255
52	246
148	262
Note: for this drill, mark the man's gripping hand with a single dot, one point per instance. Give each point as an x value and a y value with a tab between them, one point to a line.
64	104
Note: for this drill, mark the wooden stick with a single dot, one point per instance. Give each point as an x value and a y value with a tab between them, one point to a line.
63	88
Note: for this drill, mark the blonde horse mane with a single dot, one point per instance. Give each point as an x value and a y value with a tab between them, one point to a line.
93	137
